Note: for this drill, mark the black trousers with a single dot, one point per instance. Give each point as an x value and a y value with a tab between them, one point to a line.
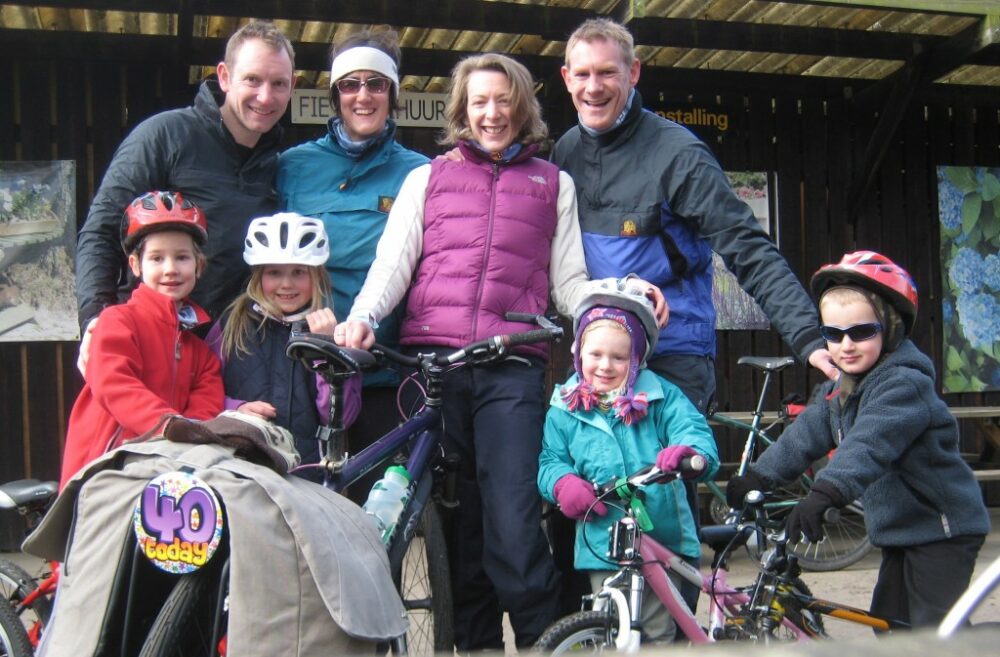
499	555
918	584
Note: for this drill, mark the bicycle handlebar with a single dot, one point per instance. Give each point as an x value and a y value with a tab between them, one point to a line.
305	346
624	487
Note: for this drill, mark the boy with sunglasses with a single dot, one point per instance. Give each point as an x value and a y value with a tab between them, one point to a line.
896	441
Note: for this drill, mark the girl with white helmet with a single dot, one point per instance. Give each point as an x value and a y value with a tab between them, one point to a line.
613	417
287	254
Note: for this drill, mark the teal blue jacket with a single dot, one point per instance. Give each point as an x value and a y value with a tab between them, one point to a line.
352	195
600	447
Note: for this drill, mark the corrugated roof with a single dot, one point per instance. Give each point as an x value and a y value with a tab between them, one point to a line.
849	40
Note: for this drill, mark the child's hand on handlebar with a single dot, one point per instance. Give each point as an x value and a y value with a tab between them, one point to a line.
806	519
575	496
670	457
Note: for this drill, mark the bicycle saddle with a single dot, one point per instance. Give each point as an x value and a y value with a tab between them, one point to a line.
767	363
23	492
320	352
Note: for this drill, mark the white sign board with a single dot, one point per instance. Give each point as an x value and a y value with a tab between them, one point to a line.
417	110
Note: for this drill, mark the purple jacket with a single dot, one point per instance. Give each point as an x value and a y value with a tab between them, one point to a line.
488	229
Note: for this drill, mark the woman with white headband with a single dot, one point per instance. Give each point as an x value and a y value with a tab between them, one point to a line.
349	179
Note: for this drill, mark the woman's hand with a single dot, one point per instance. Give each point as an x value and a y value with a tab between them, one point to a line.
355	334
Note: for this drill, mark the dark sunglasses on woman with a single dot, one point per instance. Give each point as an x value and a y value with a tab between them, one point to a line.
353	85
857	332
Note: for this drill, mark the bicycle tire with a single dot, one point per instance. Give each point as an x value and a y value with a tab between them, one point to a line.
183	628
15	585
846	540
424	582
587	631
13	637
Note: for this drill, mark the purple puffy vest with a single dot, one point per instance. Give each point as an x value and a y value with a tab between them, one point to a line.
488	232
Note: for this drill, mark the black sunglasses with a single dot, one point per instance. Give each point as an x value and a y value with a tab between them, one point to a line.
353	85
857	333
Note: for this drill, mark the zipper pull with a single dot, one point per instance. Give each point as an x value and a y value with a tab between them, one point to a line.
177	350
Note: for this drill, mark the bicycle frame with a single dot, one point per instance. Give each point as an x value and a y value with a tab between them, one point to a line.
651	567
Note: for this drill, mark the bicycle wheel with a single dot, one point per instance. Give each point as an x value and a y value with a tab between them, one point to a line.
15	584
424	583
13	638
184	626
584	631
846	539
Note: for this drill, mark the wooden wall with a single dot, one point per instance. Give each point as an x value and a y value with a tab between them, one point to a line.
80	110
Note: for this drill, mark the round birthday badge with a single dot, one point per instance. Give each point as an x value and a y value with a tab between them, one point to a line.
178	522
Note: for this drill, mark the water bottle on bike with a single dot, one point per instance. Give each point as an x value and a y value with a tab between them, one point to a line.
387	499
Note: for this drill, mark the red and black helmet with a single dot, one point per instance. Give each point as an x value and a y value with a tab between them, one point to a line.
874	272
156	211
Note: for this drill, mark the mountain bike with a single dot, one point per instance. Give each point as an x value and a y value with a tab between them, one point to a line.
192	622
29	596
776	607
847	538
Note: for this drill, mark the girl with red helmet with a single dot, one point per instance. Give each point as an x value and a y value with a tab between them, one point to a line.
896	441
144	360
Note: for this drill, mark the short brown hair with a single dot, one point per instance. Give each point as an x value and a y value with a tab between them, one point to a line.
266	31
603	29
524	105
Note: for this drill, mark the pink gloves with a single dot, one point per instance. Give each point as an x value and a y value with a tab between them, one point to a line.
670	457
575	496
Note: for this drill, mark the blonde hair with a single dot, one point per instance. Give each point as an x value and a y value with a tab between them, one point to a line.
603	29
843	295
243	321
603	323
525	110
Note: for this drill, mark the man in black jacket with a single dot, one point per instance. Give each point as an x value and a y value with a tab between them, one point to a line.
221	153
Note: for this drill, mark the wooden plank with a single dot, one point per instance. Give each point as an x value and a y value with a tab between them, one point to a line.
35	106
71	129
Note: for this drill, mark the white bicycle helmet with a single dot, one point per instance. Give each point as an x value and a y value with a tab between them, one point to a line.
286	238
618	293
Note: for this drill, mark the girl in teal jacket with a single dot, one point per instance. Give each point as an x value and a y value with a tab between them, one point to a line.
612	418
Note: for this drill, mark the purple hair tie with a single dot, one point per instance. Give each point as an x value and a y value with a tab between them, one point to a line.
631	408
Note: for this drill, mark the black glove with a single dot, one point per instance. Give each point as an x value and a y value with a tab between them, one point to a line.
738	487
806	518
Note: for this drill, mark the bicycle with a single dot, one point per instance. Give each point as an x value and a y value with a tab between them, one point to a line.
29	596
776	606
427	599
847	538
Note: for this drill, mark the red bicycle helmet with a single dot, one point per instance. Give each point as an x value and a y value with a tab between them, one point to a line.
156	211
874	272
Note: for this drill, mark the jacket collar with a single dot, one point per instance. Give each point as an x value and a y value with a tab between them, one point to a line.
623	132
163	307
476	155
646	382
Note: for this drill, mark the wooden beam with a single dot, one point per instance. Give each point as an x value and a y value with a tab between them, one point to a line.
974	7
789	39
903	87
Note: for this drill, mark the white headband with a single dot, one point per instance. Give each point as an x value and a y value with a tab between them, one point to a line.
363	58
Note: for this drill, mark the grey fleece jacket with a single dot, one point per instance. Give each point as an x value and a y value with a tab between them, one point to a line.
897	450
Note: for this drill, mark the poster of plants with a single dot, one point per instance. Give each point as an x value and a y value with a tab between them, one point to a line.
735	309
969	212
37	245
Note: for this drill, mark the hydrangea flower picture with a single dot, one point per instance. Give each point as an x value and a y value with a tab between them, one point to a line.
969	212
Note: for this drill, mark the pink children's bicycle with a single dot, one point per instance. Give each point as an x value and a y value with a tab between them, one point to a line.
776	606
